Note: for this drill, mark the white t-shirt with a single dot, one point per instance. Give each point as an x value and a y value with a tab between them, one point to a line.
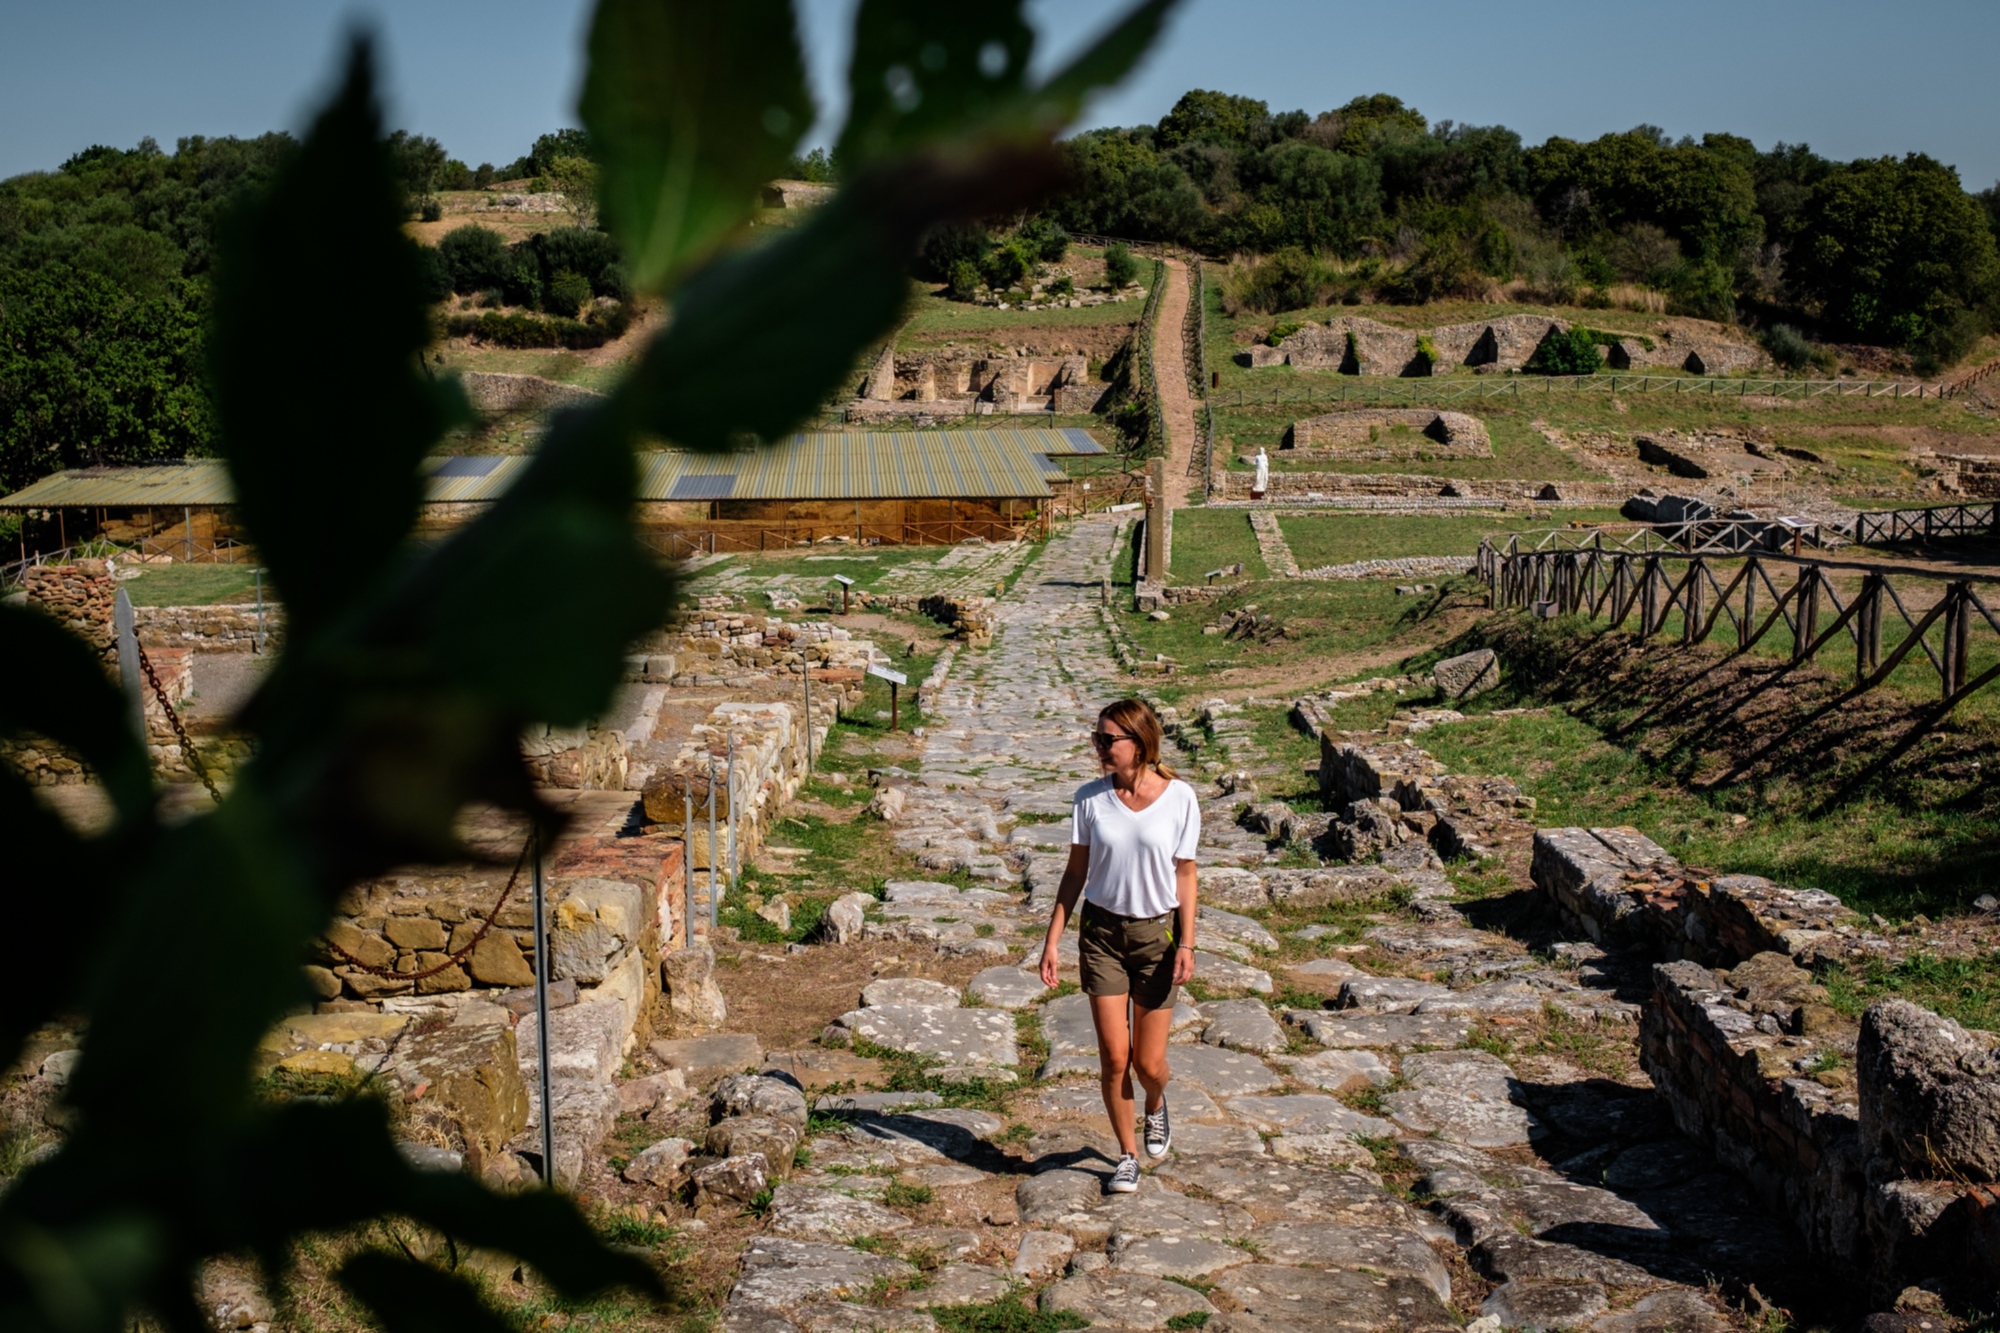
1132	852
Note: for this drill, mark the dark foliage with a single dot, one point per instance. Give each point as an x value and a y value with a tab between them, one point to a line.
1120	268
92	374
1571	352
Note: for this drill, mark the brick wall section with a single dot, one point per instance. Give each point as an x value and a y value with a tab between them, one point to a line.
80	596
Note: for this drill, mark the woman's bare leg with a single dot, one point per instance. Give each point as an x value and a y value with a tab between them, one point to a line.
1130	1038
1150	1029
1114	1061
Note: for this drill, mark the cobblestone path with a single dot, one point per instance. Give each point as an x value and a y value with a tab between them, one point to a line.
1366	1164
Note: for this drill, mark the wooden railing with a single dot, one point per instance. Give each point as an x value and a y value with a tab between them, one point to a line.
1922	525
1932	619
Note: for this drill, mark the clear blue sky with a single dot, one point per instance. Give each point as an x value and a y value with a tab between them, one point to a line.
1851	79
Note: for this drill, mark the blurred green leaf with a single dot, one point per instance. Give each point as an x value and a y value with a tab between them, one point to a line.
692	107
325	419
705	383
926	71
1059	101
53	684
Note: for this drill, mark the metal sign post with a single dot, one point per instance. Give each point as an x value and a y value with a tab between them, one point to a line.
259	573
896	679
712	894
543	1040
687	856
805	670
126	628
735	866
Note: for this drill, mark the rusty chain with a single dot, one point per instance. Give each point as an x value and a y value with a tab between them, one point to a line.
462	954
194	763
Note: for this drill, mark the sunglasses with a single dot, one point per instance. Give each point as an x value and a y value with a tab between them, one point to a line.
1104	740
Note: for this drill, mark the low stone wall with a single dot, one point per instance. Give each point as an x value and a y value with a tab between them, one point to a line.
1357	345
80	597
1296	486
1373	433
1404	567
224	628
1816	1112
491	392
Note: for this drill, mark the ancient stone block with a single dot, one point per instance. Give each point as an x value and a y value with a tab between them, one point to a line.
1930	1094
704	1059
596	923
474	1074
758	1095
497	961
663	1165
1468	674
734	1181
846	916
687	982
773	1140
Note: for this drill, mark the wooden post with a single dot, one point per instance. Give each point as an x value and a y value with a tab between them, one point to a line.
1807	613
1647	597
892	706
1868	632
1691	603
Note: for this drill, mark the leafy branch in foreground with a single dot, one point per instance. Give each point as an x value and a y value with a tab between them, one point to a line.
410	672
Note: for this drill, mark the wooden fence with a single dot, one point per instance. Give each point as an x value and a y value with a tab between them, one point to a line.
1371	389
1922	525
1931	619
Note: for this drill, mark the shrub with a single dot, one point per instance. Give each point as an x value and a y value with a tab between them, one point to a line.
1787	346
1703	289
475	257
583	251
530	331
1291	279
1282	330
1571	353
1062	288
1120	268
567	293
964	280
1006	265
1427	353
432	210
1045	239
947	245
436	273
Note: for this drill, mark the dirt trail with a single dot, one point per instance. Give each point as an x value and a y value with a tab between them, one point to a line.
1170	372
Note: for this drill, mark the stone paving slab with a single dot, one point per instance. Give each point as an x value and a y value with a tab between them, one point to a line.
1331	1245
1346	1030
1287	1299
958	1036
1122	1300
1306	1113
807	1213
1220	1073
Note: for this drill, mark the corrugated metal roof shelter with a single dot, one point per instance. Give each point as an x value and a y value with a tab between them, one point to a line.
818	465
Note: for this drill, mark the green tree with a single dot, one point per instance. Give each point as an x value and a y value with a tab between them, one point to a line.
411	670
91	375
1120	268
1896	252
576	179
1212	117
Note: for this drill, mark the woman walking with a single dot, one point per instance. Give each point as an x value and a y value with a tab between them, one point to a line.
1133	834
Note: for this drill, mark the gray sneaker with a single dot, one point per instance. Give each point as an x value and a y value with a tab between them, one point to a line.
1125	1180
1159	1131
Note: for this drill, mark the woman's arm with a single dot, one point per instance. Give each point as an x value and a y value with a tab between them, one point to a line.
1066	896
1184	910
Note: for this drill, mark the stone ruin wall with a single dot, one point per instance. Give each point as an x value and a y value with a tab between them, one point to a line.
1487	347
1346	435
967	386
1296	486
1880	1140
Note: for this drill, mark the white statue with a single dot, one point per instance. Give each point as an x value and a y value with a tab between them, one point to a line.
1263	472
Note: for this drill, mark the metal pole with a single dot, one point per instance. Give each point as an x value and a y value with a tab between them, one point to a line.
125	627
542	1039
187	531
805	670
892	705
712	858
735	865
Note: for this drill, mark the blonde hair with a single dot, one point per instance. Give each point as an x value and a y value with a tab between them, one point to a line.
1140	722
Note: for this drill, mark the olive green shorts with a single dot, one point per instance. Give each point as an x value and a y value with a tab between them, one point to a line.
1123	955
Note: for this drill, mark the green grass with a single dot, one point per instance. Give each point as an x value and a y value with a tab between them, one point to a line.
195	585
901	1194
866	567
1964	989
1206	539
1006	1315
1340	538
1519	450
1923	838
